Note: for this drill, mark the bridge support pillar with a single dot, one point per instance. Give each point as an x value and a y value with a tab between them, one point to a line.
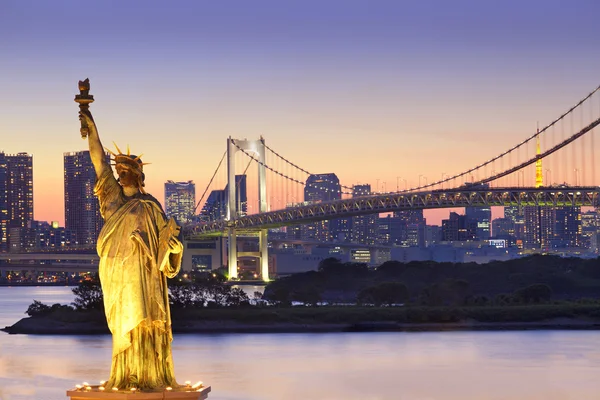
232	253
264	254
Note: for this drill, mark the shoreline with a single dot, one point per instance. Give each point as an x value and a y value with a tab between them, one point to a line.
48	326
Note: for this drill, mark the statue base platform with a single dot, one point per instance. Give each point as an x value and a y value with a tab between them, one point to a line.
175	394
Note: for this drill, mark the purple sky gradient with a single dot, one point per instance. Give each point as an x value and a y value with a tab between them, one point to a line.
403	87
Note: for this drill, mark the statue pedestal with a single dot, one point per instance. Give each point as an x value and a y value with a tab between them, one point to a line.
178	394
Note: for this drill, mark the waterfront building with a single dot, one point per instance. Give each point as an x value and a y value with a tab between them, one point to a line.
16	194
82	209
180	201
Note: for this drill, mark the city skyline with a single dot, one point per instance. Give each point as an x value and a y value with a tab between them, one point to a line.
410	85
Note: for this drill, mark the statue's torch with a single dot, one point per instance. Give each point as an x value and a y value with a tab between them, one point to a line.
84	98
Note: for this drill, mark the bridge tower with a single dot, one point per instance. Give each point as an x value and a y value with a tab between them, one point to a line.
257	148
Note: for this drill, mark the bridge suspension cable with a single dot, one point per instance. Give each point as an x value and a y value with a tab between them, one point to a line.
284	175
300	168
210	182
517	148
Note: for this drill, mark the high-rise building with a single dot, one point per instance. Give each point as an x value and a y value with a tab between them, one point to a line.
538	228
241	201
515	214
482	217
567	228
320	188
3	203
364	227
180	201
16	194
82	210
215	206
458	228
19	189
410	216
411	228
504	228
590	222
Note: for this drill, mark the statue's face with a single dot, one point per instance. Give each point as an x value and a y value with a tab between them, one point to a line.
128	177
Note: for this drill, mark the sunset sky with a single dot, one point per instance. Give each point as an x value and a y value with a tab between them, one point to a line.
370	90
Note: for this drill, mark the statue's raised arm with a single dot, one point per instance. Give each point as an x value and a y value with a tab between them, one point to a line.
89	129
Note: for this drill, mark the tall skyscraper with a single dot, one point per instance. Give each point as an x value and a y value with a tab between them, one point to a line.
410	228
241	201
567	228
3	204
482	217
215	207
180	201
20	189
538	229
16	194
82	210
364	227
321	188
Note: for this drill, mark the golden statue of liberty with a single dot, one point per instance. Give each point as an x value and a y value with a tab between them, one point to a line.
138	249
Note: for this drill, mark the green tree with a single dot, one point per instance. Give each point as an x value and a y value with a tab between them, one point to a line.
88	295
38	308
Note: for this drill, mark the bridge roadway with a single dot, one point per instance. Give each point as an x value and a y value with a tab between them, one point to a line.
466	196
49	262
50	267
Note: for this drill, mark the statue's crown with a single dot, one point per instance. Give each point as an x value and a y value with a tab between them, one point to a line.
128	158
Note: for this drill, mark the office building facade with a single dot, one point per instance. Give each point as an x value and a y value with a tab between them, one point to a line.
82	210
16	194
180	201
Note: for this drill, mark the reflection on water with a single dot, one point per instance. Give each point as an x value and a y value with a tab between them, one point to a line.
544	365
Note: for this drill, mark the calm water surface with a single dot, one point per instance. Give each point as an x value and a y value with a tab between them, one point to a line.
544	365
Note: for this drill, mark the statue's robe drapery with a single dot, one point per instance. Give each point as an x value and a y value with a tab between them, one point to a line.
135	262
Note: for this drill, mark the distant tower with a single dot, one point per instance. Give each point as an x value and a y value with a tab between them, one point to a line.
82	210
180	200
539	177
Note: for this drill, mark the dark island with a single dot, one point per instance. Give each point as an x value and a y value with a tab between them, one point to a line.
536	292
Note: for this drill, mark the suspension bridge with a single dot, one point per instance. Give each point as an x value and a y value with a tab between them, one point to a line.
566	146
